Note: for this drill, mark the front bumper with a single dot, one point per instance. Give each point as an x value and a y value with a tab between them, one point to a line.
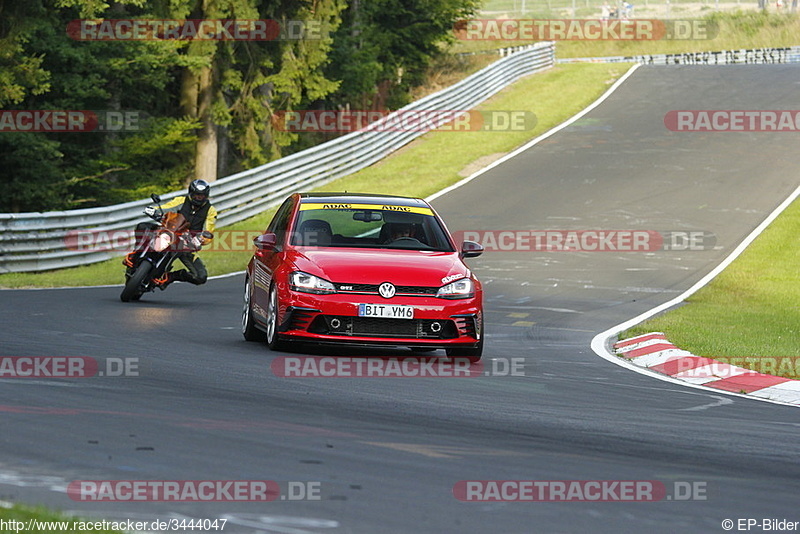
334	319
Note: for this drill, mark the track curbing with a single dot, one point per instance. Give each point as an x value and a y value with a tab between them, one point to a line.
652	351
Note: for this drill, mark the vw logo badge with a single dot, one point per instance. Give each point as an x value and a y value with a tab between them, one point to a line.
386	290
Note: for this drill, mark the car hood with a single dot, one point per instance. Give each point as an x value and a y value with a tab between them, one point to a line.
400	267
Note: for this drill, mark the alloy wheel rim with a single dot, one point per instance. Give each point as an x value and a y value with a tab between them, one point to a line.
272	312
246	309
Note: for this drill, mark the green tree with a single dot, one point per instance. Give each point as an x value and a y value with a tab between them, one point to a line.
384	48
209	103
32	176
89	169
105	167
21	73
259	79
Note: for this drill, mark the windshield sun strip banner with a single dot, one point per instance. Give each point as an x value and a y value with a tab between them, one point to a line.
379	207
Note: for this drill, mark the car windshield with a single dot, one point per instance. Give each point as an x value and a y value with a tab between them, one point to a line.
369	226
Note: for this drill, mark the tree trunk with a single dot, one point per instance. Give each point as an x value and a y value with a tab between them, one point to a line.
205	166
188	101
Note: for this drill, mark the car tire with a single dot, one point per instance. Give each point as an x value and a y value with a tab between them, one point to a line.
249	329
471	354
273	341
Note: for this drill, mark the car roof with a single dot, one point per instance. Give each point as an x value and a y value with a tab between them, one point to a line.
362	198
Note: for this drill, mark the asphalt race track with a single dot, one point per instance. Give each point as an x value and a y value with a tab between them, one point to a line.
387	452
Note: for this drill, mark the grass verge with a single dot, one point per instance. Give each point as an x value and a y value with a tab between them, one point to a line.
424	166
44	521
750	29
748	315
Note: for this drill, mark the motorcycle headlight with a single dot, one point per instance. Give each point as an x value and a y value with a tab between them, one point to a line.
460	289
163	241
308	283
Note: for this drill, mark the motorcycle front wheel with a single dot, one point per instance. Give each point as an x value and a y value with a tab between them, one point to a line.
133	287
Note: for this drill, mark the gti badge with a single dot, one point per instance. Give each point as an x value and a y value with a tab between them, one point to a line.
386	290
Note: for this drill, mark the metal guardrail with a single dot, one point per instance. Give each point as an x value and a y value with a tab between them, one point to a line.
502	52
45	241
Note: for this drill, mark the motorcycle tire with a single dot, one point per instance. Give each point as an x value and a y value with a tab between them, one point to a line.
133	287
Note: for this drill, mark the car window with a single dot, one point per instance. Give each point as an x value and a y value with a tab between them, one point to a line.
280	221
369	226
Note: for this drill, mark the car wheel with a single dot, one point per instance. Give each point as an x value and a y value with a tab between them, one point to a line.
471	354
272	321
249	329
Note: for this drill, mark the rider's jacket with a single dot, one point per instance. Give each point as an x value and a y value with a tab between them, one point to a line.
200	218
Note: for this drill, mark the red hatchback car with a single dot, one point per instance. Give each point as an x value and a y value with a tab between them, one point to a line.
346	268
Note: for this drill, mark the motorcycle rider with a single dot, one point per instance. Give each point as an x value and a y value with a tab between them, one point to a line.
201	216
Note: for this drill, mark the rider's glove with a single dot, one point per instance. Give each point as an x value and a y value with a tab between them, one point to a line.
197	242
149	211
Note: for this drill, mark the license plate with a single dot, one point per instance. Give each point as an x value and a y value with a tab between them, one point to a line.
387	311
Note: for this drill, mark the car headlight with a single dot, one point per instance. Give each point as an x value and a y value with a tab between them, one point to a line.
460	289
308	283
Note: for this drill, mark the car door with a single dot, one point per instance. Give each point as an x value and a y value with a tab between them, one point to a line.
266	262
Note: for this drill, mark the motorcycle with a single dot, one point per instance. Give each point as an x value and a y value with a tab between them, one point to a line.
148	265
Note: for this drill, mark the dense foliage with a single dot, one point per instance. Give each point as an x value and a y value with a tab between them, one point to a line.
203	107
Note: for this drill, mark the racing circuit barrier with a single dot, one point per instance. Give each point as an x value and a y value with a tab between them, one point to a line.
744	56
39	241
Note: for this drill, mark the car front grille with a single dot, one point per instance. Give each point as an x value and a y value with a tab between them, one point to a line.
372	289
338	325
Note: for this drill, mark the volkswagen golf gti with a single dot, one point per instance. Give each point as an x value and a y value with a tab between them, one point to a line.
360	269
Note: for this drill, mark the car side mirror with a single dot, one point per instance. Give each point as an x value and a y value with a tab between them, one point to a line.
268	241
471	249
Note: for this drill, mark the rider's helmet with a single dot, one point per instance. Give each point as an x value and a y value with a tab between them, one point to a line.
198	192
